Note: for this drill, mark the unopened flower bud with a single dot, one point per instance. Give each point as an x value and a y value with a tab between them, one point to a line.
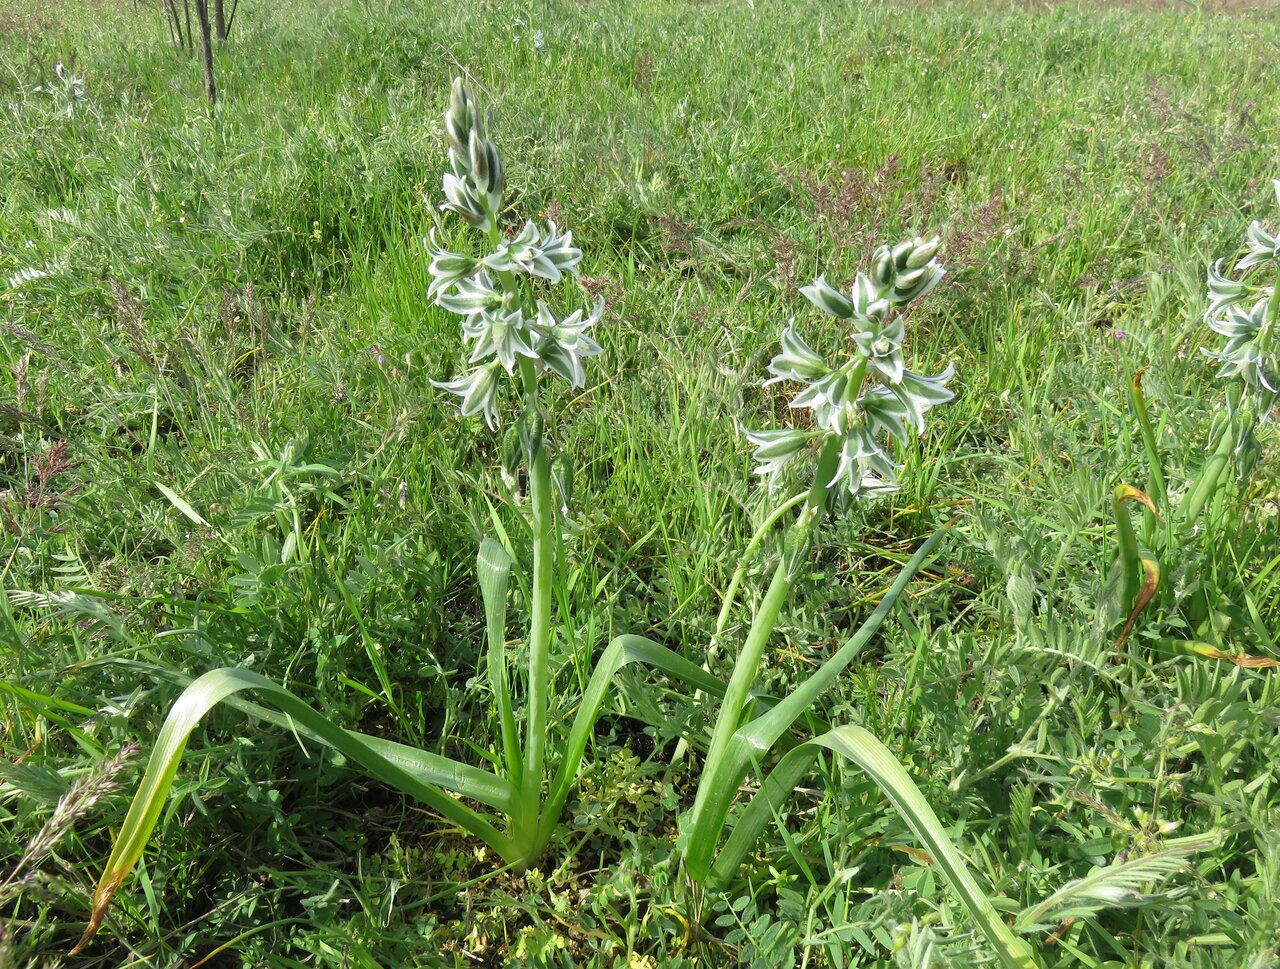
532	431
907	280
915	284
497	179
923	252
460	119
882	267
479	159
824	296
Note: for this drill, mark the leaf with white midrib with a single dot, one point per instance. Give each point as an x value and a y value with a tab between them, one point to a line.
1123	885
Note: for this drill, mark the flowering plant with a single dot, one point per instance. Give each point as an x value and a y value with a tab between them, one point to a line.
859	405
1243	308
516	338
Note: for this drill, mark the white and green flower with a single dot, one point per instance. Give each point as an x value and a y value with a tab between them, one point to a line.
864	467
446	268
471	295
869	395
880	341
563	343
544	254
1264	246
502	335
775	447
1225	291
479	392
1250	352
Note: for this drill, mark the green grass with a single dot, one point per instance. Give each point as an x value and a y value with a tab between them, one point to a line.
1083	164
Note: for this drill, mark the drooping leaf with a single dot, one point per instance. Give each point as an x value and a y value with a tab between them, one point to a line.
192	706
861	747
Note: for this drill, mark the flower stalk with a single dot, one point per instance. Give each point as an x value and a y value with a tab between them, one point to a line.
513	332
855	403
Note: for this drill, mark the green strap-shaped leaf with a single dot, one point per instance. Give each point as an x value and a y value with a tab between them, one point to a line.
192	706
861	747
757	737
760	810
493	566
465	779
623	651
1138	400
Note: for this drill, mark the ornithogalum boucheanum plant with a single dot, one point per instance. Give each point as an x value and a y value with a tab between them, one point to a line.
1243	309
517	338
859	403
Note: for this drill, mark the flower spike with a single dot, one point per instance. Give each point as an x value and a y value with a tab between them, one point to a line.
502	319
872	393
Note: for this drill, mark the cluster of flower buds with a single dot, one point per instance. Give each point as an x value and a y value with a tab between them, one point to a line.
1246	313
872	393
473	188
501	321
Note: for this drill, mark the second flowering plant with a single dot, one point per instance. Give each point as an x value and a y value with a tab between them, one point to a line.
1243	310
860	403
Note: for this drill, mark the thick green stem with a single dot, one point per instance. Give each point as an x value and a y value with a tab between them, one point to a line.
698	855
543	521
526	822
731	596
1210	475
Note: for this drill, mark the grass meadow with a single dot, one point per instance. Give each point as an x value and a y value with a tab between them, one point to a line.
219	446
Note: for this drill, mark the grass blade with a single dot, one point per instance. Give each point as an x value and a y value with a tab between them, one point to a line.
180	503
